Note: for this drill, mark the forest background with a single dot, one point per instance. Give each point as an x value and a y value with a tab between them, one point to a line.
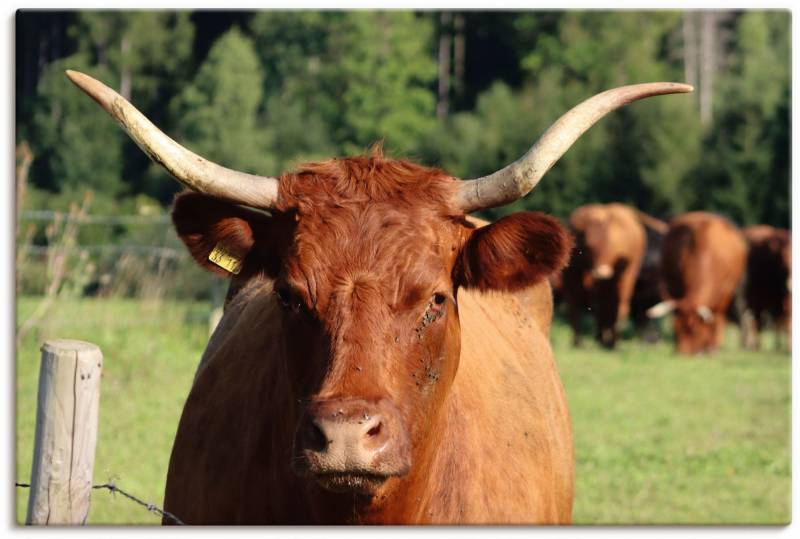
466	91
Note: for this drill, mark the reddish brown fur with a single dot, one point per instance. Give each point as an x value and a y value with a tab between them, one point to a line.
702	262
606	235
769	269
367	242
501	257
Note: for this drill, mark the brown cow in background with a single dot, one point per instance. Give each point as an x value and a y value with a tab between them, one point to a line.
702	262
381	359
767	287
610	242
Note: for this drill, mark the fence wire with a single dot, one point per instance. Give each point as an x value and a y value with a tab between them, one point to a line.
92	219
113	488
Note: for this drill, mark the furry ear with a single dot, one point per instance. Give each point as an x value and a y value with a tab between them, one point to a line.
243	241
513	253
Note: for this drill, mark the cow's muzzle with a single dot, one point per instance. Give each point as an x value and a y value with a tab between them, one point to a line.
602	272
351	445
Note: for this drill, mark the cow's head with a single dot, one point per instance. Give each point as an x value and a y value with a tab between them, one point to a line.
694	324
367	256
597	239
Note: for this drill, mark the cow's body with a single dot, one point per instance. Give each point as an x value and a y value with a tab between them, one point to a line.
767	289
501	450
702	263
610	245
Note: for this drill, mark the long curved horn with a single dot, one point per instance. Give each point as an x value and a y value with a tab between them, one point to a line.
520	177
187	167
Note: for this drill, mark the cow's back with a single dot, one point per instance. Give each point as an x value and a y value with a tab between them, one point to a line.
703	258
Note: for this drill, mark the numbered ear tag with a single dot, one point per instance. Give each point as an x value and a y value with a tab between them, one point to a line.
225	259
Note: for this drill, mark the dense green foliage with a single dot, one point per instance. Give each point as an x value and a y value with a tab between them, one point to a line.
658	438
264	91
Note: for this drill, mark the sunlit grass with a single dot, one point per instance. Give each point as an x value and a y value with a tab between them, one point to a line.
659	438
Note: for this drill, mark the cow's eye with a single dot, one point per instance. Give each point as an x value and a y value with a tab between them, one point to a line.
437	304
286	299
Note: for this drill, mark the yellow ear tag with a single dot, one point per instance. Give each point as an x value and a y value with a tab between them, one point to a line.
225	259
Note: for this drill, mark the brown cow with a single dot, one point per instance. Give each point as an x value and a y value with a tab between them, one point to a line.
609	247
381	359
702	262
767	289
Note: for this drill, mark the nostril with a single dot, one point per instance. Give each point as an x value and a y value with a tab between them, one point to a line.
314	439
374	431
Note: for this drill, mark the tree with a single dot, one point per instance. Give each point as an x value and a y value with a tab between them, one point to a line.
217	114
745	173
360	76
638	155
75	145
301	109
150	55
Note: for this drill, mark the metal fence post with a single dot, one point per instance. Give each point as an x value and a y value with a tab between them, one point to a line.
66	433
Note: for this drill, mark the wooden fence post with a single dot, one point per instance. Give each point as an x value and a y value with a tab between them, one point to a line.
66	432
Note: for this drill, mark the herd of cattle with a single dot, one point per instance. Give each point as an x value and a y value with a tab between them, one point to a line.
385	358
699	266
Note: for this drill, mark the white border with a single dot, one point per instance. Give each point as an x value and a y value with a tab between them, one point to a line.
7	512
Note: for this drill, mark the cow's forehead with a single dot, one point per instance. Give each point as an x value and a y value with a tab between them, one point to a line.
390	250
369	217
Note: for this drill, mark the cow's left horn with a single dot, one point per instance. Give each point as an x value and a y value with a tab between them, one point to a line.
520	177
661	309
187	167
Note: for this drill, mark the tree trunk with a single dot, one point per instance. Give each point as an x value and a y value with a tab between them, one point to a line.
690	47
708	61
126	77
445	41
459	49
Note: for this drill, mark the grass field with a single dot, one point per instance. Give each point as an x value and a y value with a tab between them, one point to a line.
659	439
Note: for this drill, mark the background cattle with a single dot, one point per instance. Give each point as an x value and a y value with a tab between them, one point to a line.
702	262
767	284
647	290
610	244
374	363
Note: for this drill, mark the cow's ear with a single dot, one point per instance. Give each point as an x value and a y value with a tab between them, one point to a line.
225	238
515	252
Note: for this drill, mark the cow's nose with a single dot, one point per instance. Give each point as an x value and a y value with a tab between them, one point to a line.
352	436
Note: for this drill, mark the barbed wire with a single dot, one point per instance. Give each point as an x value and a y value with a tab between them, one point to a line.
49	215
113	488
164	252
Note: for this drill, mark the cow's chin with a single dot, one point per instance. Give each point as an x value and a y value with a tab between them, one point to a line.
365	484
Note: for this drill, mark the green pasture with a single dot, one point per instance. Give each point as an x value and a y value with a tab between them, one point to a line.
659	439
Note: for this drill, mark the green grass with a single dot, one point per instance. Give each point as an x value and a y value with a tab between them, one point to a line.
659	439
150	354
666	439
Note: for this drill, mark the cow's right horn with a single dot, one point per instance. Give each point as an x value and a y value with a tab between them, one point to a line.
705	313
520	177
661	309
187	167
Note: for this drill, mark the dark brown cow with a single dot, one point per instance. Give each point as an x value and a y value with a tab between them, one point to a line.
647	291
381	358
767	290
702	262
610	243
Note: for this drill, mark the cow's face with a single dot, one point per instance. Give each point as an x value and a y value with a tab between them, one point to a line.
694	333
367	256
594	240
